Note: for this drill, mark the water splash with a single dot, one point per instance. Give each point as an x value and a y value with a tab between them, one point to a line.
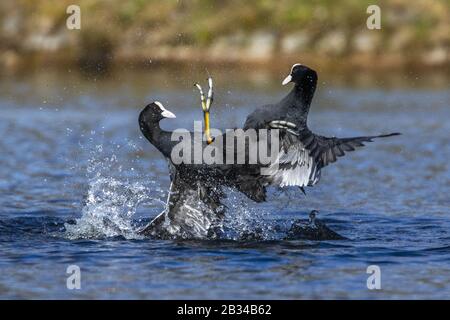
109	209
114	193
244	220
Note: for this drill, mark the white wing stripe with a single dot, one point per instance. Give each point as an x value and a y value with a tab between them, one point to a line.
294	168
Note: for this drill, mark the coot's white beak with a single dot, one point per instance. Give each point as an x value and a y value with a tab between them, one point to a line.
164	112
287	80
168	114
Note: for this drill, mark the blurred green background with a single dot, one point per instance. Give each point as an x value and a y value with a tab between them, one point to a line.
325	32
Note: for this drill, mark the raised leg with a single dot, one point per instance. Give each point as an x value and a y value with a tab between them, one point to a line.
206	105
202	96
210	98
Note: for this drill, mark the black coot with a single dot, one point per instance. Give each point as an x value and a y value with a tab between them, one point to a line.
302	153
194	202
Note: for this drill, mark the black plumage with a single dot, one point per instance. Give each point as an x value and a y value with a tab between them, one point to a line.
194	208
302	153
194	202
244	178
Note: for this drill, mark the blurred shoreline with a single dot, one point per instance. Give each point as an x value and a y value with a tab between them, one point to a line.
11	61
265	34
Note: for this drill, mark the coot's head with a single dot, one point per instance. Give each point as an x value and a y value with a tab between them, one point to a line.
301	75
154	112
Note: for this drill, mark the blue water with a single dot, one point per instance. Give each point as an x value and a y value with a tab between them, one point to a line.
77	179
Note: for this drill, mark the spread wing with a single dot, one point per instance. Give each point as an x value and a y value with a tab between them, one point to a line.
325	150
302	157
260	117
294	166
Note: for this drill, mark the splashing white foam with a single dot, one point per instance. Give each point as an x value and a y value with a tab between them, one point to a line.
112	201
244	220
109	209
112	198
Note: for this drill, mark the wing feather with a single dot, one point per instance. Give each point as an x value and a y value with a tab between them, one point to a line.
326	150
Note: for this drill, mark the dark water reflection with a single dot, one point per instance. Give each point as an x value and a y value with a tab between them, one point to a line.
71	148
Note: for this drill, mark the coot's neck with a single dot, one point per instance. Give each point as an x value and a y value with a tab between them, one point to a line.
152	131
299	101
304	94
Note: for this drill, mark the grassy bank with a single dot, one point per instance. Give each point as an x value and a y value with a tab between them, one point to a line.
324	32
